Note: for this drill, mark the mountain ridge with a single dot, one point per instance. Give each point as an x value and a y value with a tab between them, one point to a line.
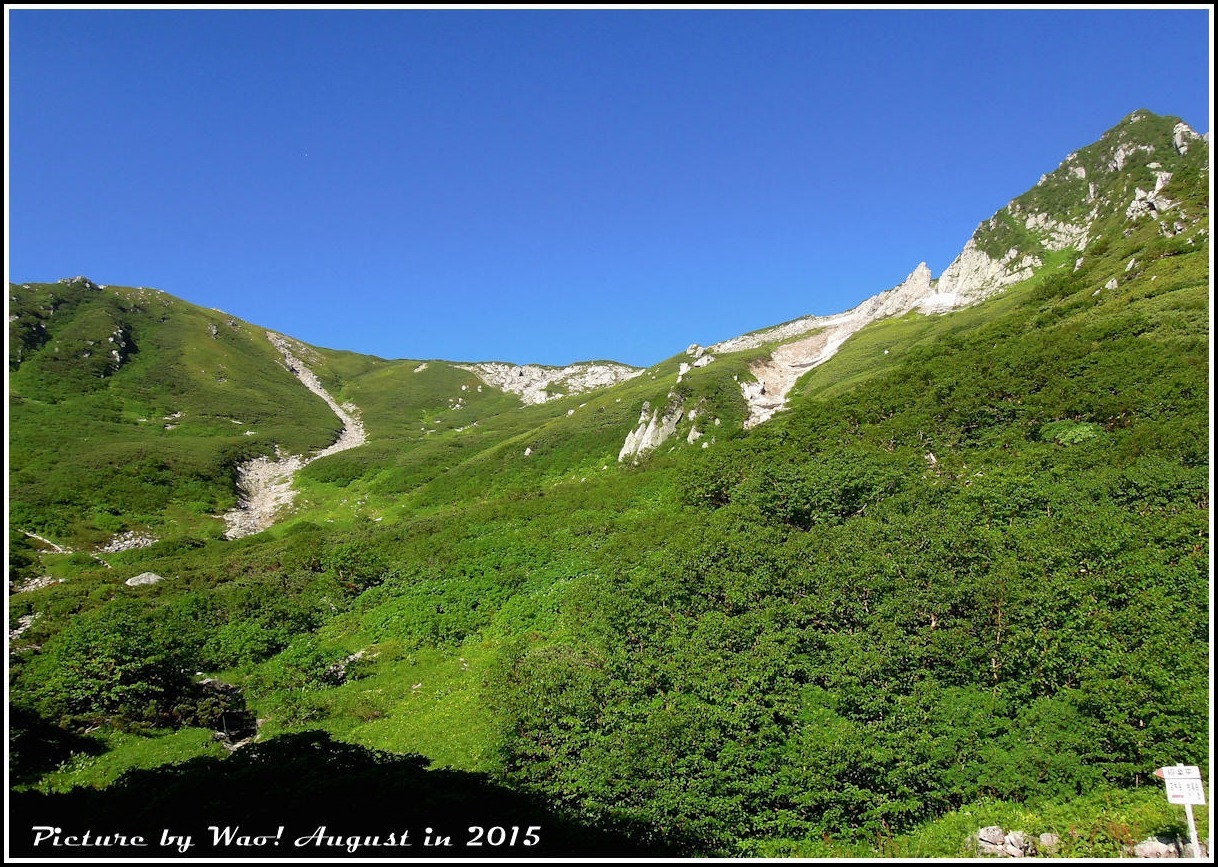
976	274
968	562
1124	178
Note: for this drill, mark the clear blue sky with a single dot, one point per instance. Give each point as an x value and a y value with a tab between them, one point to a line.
551	186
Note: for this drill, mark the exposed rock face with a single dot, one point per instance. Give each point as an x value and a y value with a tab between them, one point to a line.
1181	135
265	484
85	281
785	331
1122	154
776	375
1057	235
536	384
1153	202
975	275
653	429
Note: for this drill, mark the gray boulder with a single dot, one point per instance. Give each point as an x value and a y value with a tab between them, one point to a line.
143	578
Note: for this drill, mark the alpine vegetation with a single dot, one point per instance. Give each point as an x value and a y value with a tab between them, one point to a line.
853	585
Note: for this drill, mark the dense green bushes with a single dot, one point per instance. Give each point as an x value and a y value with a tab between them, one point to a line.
981	575
114	663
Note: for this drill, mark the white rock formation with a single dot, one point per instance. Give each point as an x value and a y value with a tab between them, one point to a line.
1153	202
265	485
653	429
786	331
1181	135
974	275
1056	235
815	339
532	382
1124	151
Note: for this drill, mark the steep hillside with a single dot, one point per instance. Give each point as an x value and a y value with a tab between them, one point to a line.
131	410
1145	177
964	558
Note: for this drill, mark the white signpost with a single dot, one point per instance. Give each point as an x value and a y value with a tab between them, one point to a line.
1184	787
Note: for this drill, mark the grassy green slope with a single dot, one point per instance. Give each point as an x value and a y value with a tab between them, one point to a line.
130	410
964	570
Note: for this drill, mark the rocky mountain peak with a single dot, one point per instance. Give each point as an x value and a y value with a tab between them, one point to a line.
1097	190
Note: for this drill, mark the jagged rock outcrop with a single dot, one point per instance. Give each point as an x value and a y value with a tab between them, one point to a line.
537	384
1057	235
1152	202
1181	135
774	376
653	429
81	280
701	360
975	275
